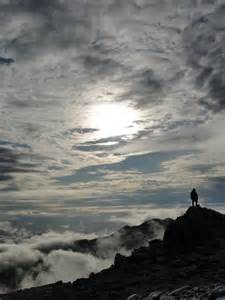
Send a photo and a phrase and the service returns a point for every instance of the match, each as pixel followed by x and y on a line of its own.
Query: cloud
pixel 202 168
pixel 53 256
pixel 65 265
pixel 12 158
pixel 103 144
pixel 38 28
pixel 204 40
pixel 142 163
pixel 100 65
pixel 50 241
pixel 22 266
pixel 11 233
pixel 25 265
pixel 6 61
pixel 80 130
pixel 144 88
pixel 16 162
pixel 10 164
pixel 136 214
pixel 116 52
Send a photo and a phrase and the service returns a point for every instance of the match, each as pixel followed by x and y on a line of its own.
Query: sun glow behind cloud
pixel 114 119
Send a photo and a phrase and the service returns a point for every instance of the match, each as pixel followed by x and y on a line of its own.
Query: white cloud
pixel 66 266
pixel 52 256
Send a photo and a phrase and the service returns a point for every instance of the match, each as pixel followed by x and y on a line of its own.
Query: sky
pixel 111 111
pixel 111 106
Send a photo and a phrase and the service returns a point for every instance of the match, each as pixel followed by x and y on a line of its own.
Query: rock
pixel 154 295
pixel 134 297
pixel 166 297
pixel 218 292
pixel 179 290
pixel 196 227
pixel 119 259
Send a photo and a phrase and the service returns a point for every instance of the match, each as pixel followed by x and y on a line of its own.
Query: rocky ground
pixel 189 263
pixel 215 291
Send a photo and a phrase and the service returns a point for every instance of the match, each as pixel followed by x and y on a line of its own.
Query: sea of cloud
pixel 28 260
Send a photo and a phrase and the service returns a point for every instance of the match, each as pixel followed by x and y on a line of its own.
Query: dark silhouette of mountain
pixel 198 225
pixel 189 262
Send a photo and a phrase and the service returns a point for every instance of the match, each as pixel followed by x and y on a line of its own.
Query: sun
pixel 113 119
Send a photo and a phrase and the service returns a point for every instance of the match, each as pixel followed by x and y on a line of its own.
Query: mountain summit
pixel 198 225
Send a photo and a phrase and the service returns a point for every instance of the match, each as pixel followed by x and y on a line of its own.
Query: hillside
pixel 190 258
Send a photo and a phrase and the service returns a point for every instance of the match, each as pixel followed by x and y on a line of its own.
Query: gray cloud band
pixel 205 44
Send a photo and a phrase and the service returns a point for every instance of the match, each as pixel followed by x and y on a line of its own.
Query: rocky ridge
pixel 188 263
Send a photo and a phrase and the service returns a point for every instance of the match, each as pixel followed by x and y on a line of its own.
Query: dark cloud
pixel 218 180
pixel 38 6
pixel 105 44
pixel 6 61
pixel 202 168
pixel 21 102
pixel 12 162
pixel 150 80
pixel 80 130
pixel 95 148
pixel 100 65
pixel 14 145
pixel 203 76
pixel 31 6
pixel 213 190
pixel 8 163
pixel 47 31
pixel 144 88
pixel 104 144
pixel 205 44
pixel 5 177
pixel 216 93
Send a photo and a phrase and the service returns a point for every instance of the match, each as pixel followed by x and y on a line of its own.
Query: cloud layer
pixel 32 260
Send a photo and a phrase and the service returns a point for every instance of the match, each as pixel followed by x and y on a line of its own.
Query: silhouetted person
pixel 194 197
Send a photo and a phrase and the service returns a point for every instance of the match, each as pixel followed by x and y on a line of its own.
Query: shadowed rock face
pixel 198 225
pixel 192 254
